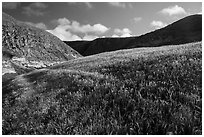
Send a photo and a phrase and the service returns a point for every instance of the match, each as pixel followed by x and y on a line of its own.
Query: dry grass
pixel 138 91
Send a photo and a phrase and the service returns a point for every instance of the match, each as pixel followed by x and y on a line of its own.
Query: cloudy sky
pixel 87 21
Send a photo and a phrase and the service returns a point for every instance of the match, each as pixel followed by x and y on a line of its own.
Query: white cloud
pixel 126 35
pixel 38 25
pixel 76 27
pixel 64 35
pixel 122 36
pixel 158 24
pixel 98 28
pixel 115 36
pixel 174 10
pixel 125 32
pixel 35 8
pixel 137 19
pixel 63 21
pixel 68 30
pixel 90 37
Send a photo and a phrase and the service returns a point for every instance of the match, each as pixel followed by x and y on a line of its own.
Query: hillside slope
pixel 188 29
pixel 100 45
pixel 28 44
pixel 135 91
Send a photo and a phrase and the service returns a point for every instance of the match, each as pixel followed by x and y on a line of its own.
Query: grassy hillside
pixel 30 44
pixel 24 40
pixel 134 91
pixel 188 29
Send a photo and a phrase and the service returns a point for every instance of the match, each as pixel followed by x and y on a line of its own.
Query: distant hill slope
pixel 135 91
pixel 24 41
pixel 188 29
pixel 100 45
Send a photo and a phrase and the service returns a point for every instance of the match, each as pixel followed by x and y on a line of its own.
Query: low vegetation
pixel 136 91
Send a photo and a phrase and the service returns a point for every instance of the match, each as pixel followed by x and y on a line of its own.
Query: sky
pixel 71 21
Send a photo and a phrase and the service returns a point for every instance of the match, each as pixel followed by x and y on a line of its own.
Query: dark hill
pixel 79 46
pixel 27 43
pixel 100 45
pixel 188 29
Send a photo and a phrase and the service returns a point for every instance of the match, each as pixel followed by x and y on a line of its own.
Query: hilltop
pixel 188 29
pixel 141 91
pixel 31 46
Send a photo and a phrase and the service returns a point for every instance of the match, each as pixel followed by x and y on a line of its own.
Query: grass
pixel 139 91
